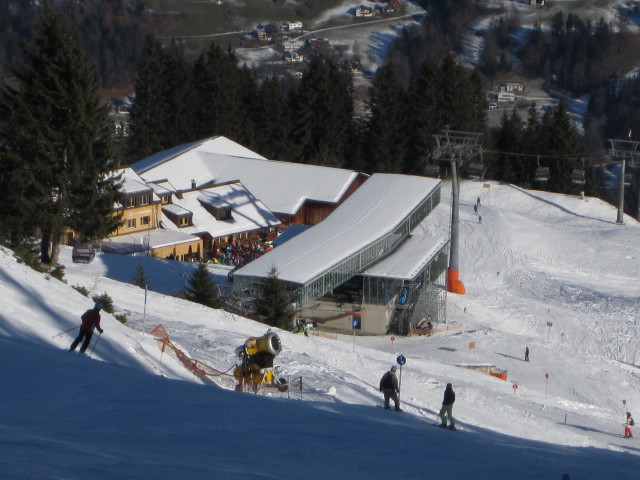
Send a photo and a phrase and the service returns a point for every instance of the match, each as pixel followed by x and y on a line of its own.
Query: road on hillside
pixel 415 15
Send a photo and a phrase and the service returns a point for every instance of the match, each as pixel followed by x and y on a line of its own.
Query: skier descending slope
pixel 90 321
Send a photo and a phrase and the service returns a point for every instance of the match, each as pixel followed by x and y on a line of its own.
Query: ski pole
pixel 57 335
pixel 94 345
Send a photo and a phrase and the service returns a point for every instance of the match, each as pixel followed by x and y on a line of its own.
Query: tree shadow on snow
pixel 553 204
pixel 590 429
pixel 509 356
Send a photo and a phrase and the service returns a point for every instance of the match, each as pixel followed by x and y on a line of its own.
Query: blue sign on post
pixel 401 359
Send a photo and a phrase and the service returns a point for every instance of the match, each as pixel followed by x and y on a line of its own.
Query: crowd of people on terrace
pixel 236 254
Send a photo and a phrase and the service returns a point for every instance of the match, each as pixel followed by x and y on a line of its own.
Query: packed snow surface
pixel 550 272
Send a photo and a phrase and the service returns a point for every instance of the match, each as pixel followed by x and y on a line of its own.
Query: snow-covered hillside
pixel 537 259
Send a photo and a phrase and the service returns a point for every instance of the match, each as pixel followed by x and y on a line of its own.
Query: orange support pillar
pixel 454 284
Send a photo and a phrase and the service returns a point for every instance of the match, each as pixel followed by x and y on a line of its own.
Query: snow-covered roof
pixel 372 211
pixel 248 213
pixel 131 182
pixel 409 260
pixel 282 186
pixel 138 241
pixel 217 144
pixel 289 233
pixel 176 210
pixel 161 188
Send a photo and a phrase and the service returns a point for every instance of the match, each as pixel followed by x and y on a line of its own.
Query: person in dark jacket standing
pixel 526 354
pixel 389 387
pixel 447 407
pixel 90 321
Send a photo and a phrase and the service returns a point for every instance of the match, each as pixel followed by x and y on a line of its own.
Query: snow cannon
pixel 256 362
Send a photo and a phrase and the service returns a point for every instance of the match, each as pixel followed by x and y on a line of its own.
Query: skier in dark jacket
pixel 389 387
pixel 90 321
pixel 447 407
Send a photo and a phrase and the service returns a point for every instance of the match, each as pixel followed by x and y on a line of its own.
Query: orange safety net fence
pixel 205 372
pixel 199 369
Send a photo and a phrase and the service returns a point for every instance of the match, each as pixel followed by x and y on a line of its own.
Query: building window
pixel 145 199
pixel 184 221
pixel 131 223
pixel 145 221
pixel 165 199
pixel 131 202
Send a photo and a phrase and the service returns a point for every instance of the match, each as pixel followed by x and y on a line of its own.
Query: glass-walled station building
pixel 366 265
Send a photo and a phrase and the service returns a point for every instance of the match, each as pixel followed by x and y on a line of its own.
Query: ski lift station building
pixel 367 266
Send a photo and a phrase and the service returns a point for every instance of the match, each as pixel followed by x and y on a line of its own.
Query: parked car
pixel 83 253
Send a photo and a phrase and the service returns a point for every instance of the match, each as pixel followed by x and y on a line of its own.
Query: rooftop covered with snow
pixel 247 212
pixel 282 186
pixel 373 211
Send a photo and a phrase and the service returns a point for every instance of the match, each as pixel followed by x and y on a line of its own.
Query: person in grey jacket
pixel 389 387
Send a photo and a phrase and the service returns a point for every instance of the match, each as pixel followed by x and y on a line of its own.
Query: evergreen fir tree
pixel 475 119
pixel 322 111
pixel 18 208
pixel 422 114
pixel 385 139
pixel 57 132
pixel 452 101
pixel 140 279
pixel 202 288
pixel 273 307
pixel 506 167
pixel 162 115
pixel 569 149
pixel 225 96
pixel 272 110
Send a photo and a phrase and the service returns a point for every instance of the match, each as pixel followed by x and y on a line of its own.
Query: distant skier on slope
pixel 389 387
pixel 447 408
pixel 90 321
pixel 627 426
pixel 526 354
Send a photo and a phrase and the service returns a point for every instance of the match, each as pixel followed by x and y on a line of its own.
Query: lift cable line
pixel 457 147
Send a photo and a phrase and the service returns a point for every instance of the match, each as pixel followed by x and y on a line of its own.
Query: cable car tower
pixel 624 150
pixel 456 147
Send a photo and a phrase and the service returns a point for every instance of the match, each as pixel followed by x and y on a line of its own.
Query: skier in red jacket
pixel 90 321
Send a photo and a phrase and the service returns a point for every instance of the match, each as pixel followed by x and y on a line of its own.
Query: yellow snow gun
pixel 256 362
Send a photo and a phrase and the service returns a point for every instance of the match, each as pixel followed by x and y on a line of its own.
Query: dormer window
pixel 131 202
pixel 220 209
pixel 181 217
pixel 146 198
